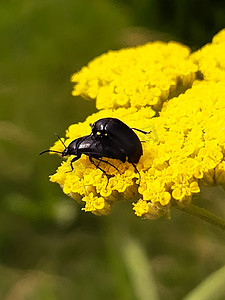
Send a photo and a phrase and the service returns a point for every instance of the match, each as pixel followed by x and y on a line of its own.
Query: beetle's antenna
pixel 54 150
pixel 60 139
pixel 49 151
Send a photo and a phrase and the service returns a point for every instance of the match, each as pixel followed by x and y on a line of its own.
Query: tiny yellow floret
pixel 142 76
pixel 211 59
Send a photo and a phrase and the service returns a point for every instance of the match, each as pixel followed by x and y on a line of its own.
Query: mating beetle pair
pixel 110 138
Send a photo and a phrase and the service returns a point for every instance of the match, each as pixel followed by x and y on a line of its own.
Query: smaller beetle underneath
pixel 109 138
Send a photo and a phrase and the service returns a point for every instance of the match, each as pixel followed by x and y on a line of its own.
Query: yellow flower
pixel 184 153
pixel 141 76
pixel 97 205
pixel 211 59
pixel 149 210
pixel 220 173
pixel 186 145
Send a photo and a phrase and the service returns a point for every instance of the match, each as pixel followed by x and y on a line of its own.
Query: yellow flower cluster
pixel 187 141
pixel 142 76
pixel 211 59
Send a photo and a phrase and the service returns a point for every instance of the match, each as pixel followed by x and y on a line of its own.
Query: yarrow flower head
pixel 142 76
pixel 186 145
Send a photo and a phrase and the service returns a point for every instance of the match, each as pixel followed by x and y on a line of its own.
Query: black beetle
pixel 91 147
pixel 120 136
pixel 110 138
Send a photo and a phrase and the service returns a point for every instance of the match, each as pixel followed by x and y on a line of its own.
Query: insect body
pixel 93 148
pixel 110 138
pixel 120 136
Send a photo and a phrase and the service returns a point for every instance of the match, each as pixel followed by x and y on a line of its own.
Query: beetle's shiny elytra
pixel 110 138
pixel 120 136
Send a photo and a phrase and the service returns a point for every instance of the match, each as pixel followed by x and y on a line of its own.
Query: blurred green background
pixel 49 248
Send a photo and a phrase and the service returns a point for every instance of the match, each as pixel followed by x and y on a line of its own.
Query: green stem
pixel 203 214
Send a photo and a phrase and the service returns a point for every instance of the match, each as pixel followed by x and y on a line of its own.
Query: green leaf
pixel 139 270
pixel 213 287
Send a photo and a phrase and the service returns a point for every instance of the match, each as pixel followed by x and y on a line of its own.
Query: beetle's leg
pixel 103 171
pixel 72 161
pixel 136 170
pixel 105 161
pixel 146 132
pixel 142 131
pixel 153 131
pixel 97 166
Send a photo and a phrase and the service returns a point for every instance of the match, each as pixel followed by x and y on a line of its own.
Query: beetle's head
pixel 98 128
pixel 72 148
pixel 94 130
pixel 65 152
